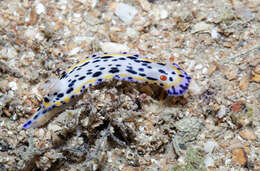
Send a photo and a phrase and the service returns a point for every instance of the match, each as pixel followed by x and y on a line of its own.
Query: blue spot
pixel 96 61
pixel 69 90
pixel 60 95
pixel 81 78
pixel 170 92
pixel 140 69
pixel 131 71
pixel 96 74
pixel 141 74
pixel 27 124
pixel 36 116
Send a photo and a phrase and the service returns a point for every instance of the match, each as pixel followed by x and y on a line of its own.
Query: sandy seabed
pixel 129 126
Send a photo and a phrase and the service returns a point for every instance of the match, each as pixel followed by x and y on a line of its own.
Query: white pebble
pixel 209 162
pixel 191 63
pixel 214 33
pixel 93 3
pixel 35 91
pixel 198 67
pixel 113 47
pixel 205 70
pixel 3 22
pixel 145 5
pixel 82 1
pixel 74 51
pixel 164 14
pixel 33 33
pixel 54 128
pixel 40 132
pixel 202 27
pixel 80 38
pixel 210 146
pixel 159 13
pixel 77 15
pixel 245 13
pixel 132 33
pixel 8 52
pixel 222 111
pixel 228 162
pixel 40 8
pixel 12 85
pixel 195 88
pixel 125 12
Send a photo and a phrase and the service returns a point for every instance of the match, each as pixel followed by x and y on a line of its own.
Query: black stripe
pixel 106 57
pixel 151 78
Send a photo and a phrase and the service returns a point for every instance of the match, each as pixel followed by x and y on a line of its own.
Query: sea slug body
pixel 98 68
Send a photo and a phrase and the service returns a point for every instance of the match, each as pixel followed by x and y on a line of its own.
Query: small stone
pixel 3 83
pixel 210 146
pixel 239 155
pixel 257 69
pixel 198 67
pixel 40 133
pixel 132 33
pixel 222 111
pixel 202 27
pixel 164 14
pixel 247 134
pixel 33 33
pixel 13 85
pixel 188 128
pixel 82 1
pixel 125 12
pixel 212 69
pixel 54 127
pixel 229 71
pixel 113 47
pixel 237 106
pixel 209 162
pixel 244 13
pixel 8 52
pixel 159 13
pixel 195 88
pixel 243 85
pixel 33 17
pixel 145 5
pixel 214 33
pixel 256 78
pixel 7 113
pixel 216 107
pixel 204 70
pixel 85 122
pixel 40 8
pixel 227 15
pixel 243 119
pixel 74 51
